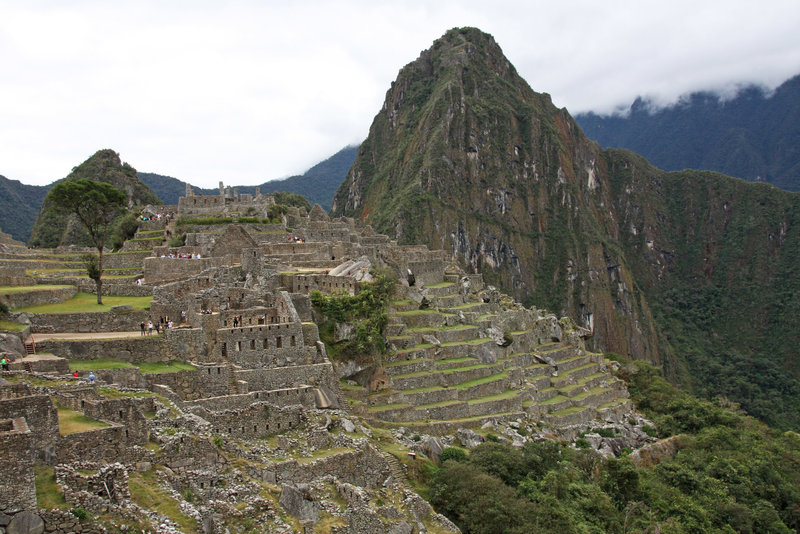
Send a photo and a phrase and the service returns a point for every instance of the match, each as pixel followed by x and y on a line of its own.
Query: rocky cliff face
pixel 685 269
pixel 465 156
pixel 53 229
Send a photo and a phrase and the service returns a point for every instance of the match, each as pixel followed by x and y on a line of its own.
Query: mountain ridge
pixel 753 135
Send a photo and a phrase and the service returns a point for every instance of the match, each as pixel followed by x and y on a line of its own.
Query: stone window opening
pixel 279 342
pixel 293 342
pixel 252 344
pixel 224 350
pixel 219 370
pixel 120 414
pixel 266 343
pixel 239 346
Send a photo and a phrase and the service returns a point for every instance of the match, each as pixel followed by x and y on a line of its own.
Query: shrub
pixel 453 453
pixel 217 441
pixel 80 513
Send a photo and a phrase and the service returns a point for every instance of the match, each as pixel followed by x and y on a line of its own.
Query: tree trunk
pixel 99 281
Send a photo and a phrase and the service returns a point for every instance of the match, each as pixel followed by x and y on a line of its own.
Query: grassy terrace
pixel 87 303
pixel 420 346
pixel 568 411
pixel 144 367
pixel 11 290
pixel 510 394
pixel 554 400
pixel 451 328
pixel 384 407
pixel 440 284
pixel 417 312
pixel 476 341
pixel 12 326
pixel 71 422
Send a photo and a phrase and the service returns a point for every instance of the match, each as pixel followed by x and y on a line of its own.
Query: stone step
pixel 472 308
pixel 553 404
pixel 420 351
pixel 456 349
pixel 408 366
pixel 557 353
pixel 572 363
pixel 403 305
pixel 394 329
pixel 446 334
pixel 420 318
pixel 402 342
pixel 537 369
pixel 454 363
pixel 571 416
pixel 442 289
pixel 448 301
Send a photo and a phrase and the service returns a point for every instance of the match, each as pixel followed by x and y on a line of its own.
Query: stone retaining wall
pixel 99 445
pixel 159 270
pixel 43 323
pixel 256 421
pixel 366 468
pixel 17 483
pixel 35 297
pixel 134 350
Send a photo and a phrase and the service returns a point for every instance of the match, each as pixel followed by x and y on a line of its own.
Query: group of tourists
pixel 163 323
pixel 186 256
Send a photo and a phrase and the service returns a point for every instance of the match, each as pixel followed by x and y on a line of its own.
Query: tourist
pixel 150 327
pixel 91 377
pixel 4 363
pixel 141 325
pixel 75 374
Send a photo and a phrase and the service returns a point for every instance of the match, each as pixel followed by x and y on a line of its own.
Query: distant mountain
pixel 53 228
pixel 754 136
pixel 19 206
pixel 317 184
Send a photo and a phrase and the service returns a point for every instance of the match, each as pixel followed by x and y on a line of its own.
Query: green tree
pixel 94 204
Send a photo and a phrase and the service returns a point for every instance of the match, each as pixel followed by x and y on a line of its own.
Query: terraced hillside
pixel 461 356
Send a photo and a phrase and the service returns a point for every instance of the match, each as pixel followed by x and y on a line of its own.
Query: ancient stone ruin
pixel 233 409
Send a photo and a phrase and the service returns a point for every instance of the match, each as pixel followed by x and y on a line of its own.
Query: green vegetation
pixel 48 493
pixel 99 363
pixel 70 421
pixel 147 493
pixel 731 474
pixel 366 310
pixel 12 326
pixel 85 303
pixel 94 205
pixel 8 290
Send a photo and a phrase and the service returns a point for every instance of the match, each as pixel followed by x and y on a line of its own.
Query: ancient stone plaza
pixel 235 418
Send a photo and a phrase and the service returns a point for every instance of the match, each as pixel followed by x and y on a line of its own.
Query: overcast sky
pixel 250 91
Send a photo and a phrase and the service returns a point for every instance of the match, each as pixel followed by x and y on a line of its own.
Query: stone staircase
pixel 446 371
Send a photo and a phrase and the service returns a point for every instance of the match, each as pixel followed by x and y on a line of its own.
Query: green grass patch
pixel 554 400
pixel 87 303
pixel 568 411
pixel 48 493
pixel 71 422
pixel 147 493
pixel 440 284
pixel 510 394
pixel 12 326
pixel 417 312
pixel 439 404
pixel 164 367
pixel 100 363
pixel 479 381
pixel 476 341
pixel 114 393
pixel 384 407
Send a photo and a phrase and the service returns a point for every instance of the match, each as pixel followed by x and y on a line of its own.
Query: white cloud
pixel 257 90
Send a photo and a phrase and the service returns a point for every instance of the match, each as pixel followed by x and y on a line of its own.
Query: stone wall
pixel 183 452
pixel 207 381
pixel 256 421
pixel 85 322
pixel 366 468
pixel 41 417
pixel 35 297
pixel 321 374
pixel 306 283
pixel 95 491
pixel 134 350
pixel 123 411
pixel 17 483
pixel 118 260
pixel 106 444
pixel 160 270
pixel 264 346
pixel 303 395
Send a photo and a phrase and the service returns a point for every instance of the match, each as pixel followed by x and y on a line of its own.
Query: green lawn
pixel 164 367
pixel 70 421
pixel 11 325
pixel 87 303
pixel 144 367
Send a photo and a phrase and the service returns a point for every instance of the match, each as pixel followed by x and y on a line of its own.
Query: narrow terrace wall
pixel 208 381
pixel 255 421
pixel 134 350
pixel 107 444
pixel 35 297
pixel 160 270
pixel 86 322
pixel 17 483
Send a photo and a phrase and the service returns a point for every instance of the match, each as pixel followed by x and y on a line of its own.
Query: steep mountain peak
pixel 53 229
